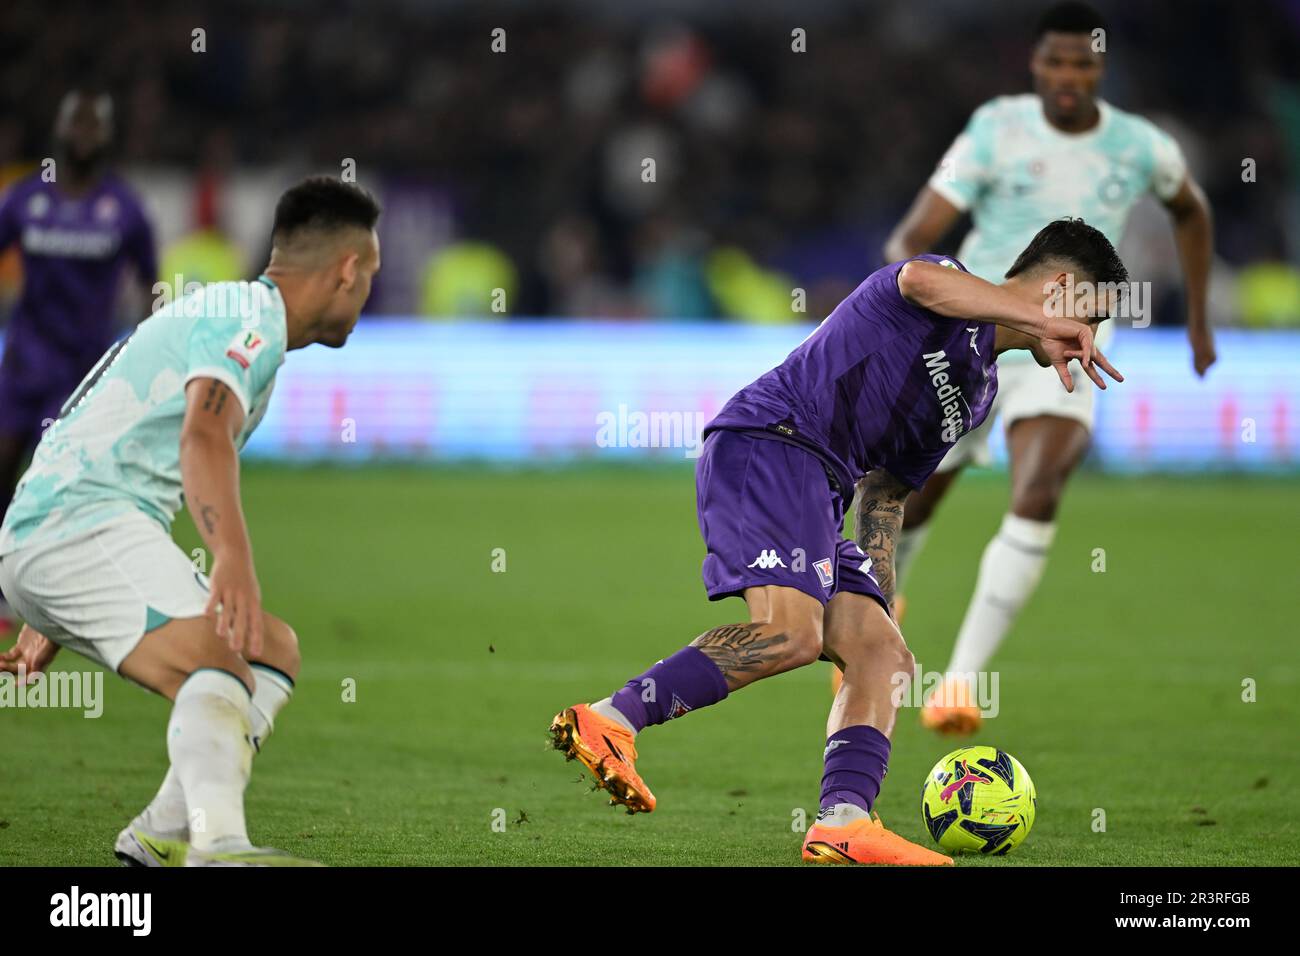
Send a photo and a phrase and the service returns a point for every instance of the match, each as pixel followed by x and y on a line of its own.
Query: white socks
pixel 1010 570
pixel 166 814
pixel 209 746
pixel 910 542
pixel 271 691
pixel 841 815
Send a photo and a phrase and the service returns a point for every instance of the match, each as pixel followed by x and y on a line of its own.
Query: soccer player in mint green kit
pixel 1024 160
pixel 86 555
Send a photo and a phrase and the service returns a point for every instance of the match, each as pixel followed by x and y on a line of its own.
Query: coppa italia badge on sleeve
pixel 243 348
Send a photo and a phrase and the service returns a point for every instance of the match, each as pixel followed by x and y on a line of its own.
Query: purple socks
pixel 856 757
pixel 856 761
pixel 676 685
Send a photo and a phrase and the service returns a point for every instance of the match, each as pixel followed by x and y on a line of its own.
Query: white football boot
pixel 140 845
pixel 245 855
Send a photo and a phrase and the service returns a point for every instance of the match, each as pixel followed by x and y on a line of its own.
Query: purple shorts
pixel 769 515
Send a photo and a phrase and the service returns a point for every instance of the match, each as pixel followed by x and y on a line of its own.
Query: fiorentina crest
pixel 825 571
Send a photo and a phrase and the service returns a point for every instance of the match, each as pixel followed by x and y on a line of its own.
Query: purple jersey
pixel 881 383
pixel 73 250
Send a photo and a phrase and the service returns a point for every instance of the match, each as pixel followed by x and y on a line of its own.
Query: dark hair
pixel 1070 16
pixel 325 203
pixel 1075 242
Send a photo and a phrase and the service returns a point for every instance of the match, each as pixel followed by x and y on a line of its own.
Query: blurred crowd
pixel 773 168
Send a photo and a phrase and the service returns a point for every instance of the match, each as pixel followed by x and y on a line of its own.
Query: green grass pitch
pixel 1121 692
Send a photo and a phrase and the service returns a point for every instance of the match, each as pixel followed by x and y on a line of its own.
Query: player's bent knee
pixel 905 661
pixel 878 646
pixel 167 656
pixel 215 654
pixel 798 639
pixel 860 634
pixel 795 620
pixel 279 646
pixel 1038 498
pixel 805 645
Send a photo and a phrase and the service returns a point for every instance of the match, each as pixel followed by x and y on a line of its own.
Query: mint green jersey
pixel 1015 173
pixel 115 447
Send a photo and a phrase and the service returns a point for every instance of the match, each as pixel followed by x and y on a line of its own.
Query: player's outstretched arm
pixel 1194 236
pixel 959 295
pixel 210 475
pixel 967 298
pixel 877 522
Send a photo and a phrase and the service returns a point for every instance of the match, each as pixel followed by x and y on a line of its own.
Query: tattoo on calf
pixel 740 649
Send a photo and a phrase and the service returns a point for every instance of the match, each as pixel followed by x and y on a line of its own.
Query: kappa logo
pixel 974 331
pixel 825 571
pixel 831 745
pixel 767 560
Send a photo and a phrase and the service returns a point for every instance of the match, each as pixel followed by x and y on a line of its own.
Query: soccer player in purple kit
pixel 878 392
pixel 76 232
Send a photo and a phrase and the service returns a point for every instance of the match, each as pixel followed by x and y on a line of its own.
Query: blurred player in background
pixel 77 225
pixel 1023 160
pixel 86 553
pixel 878 393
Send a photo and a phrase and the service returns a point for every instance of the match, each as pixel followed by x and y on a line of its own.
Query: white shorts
pixel 100 592
pixel 1025 390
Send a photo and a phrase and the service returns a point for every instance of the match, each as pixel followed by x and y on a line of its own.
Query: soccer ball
pixel 978 799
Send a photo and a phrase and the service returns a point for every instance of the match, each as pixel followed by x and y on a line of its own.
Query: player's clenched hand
pixel 32 654
pixel 235 603
pixel 1063 340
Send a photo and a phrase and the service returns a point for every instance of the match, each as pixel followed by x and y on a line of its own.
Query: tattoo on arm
pixel 215 400
pixel 209 516
pixel 741 650
pixel 878 519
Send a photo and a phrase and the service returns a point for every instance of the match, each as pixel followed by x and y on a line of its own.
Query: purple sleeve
pixel 938 260
pixel 915 470
pixel 880 297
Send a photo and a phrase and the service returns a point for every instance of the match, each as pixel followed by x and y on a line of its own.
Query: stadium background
pixel 467 430
pixel 520 171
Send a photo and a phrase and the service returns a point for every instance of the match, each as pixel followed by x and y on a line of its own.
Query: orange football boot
pixel 866 841
pixel 951 711
pixel 608 750
pixel 837 675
